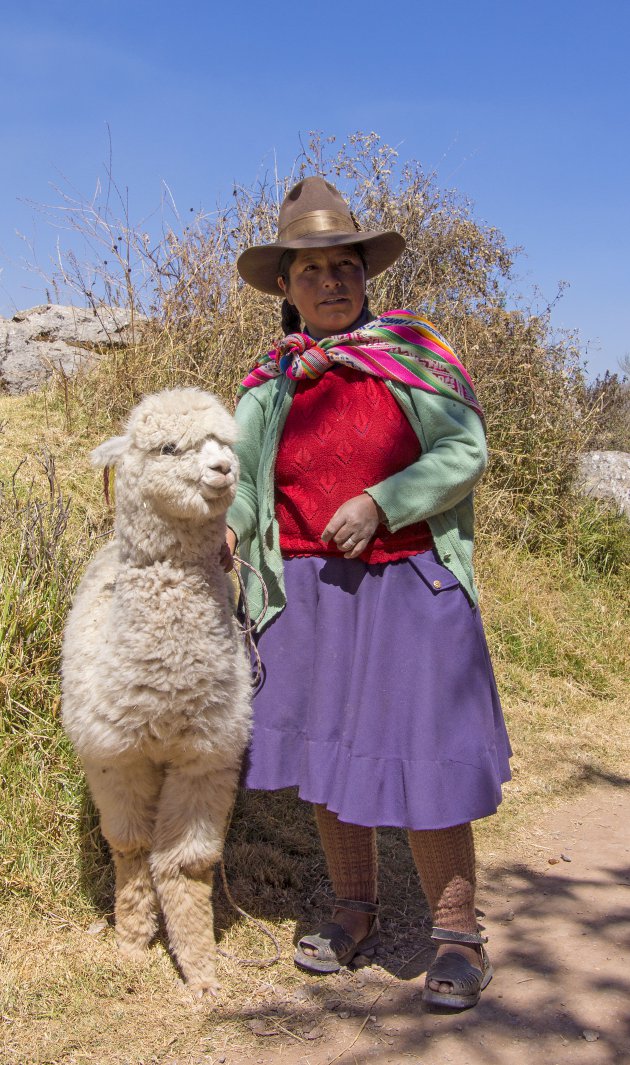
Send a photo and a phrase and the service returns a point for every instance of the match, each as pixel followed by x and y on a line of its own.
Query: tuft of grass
pixel 546 619
pixel 45 543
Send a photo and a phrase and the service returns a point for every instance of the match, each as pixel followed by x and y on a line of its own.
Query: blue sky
pixel 523 107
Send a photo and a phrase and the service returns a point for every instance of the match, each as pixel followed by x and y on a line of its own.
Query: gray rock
pixel 590 1035
pixel 38 342
pixel 606 475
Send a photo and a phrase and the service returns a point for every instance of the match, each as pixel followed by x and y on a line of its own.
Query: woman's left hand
pixel 353 525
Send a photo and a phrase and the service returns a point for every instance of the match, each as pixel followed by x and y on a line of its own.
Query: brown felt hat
pixel 314 215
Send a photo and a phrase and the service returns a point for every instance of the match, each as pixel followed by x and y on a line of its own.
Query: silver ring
pixel 351 541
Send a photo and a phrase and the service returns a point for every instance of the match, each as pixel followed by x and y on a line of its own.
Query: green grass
pixel 547 619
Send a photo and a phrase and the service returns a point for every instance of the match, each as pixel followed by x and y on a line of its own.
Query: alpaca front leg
pixel 136 905
pixel 189 834
pixel 126 797
pixel 186 901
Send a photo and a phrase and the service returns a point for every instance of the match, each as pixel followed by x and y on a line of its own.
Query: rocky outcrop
pixel 606 475
pixel 37 342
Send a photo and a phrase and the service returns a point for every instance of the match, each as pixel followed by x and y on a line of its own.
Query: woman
pixel 358 459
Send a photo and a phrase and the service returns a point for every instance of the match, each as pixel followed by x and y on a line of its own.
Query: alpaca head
pixel 176 456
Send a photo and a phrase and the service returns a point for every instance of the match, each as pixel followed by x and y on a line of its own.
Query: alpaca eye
pixel 168 449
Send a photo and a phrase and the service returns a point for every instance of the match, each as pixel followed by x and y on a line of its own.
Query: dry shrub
pixel 607 398
pixel 205 326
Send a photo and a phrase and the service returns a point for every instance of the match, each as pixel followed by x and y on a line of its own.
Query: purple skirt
pixel 378 697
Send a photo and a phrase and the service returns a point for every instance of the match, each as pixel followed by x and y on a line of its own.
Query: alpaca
pixel 155 682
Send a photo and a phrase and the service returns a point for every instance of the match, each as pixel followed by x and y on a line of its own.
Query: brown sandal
pixel 467 981
pixel 335 947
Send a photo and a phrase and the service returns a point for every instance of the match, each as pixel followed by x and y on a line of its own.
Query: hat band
pixel 317 222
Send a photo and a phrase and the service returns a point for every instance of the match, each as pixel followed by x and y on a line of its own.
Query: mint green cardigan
pixel 437 488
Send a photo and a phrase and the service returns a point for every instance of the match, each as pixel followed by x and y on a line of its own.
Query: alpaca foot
pixel 203 985
pixel 132 949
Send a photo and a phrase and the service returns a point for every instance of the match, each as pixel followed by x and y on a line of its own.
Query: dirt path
pixel 559 936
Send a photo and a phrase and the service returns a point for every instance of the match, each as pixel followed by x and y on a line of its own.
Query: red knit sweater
pixel 344 432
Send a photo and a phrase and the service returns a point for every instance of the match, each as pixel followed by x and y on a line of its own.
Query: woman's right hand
pixel 228 550
pixel 353 525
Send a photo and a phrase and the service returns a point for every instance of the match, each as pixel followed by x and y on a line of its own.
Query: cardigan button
pixel 437 584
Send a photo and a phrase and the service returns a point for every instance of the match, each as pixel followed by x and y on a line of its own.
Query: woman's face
pixel 327 285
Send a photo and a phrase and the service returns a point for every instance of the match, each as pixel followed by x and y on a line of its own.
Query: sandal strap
pixel 444 935
pixel 355 904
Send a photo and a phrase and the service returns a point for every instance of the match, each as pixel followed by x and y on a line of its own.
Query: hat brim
pixel 259 266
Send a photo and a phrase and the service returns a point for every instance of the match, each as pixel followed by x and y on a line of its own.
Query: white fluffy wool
pixel 156 686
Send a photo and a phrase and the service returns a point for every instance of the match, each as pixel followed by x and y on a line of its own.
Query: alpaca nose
pixel 220 465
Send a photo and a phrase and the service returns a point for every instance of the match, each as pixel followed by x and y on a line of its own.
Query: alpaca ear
pixel 109 452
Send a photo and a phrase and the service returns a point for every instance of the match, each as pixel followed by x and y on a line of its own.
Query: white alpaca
pixel 156 687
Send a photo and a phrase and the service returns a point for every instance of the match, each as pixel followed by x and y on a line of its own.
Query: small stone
pixel 259 1027
pixel 566 857
pixel 315 1033
pixel 509 915
pixel 344 1014
pixel 590 1035
pixel 96 928
pixel 553 861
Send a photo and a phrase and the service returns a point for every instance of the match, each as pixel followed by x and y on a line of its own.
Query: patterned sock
pixel 350 856
pixel 445 860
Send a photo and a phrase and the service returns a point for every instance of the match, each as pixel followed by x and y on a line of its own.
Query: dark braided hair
pixel 291 320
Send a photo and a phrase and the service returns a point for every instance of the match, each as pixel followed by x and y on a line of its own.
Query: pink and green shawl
pixel 399 346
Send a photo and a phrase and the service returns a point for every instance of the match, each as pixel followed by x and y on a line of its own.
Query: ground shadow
pixel 276 869
pixel 97 869
pixel 588 774
pixel 542 1014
